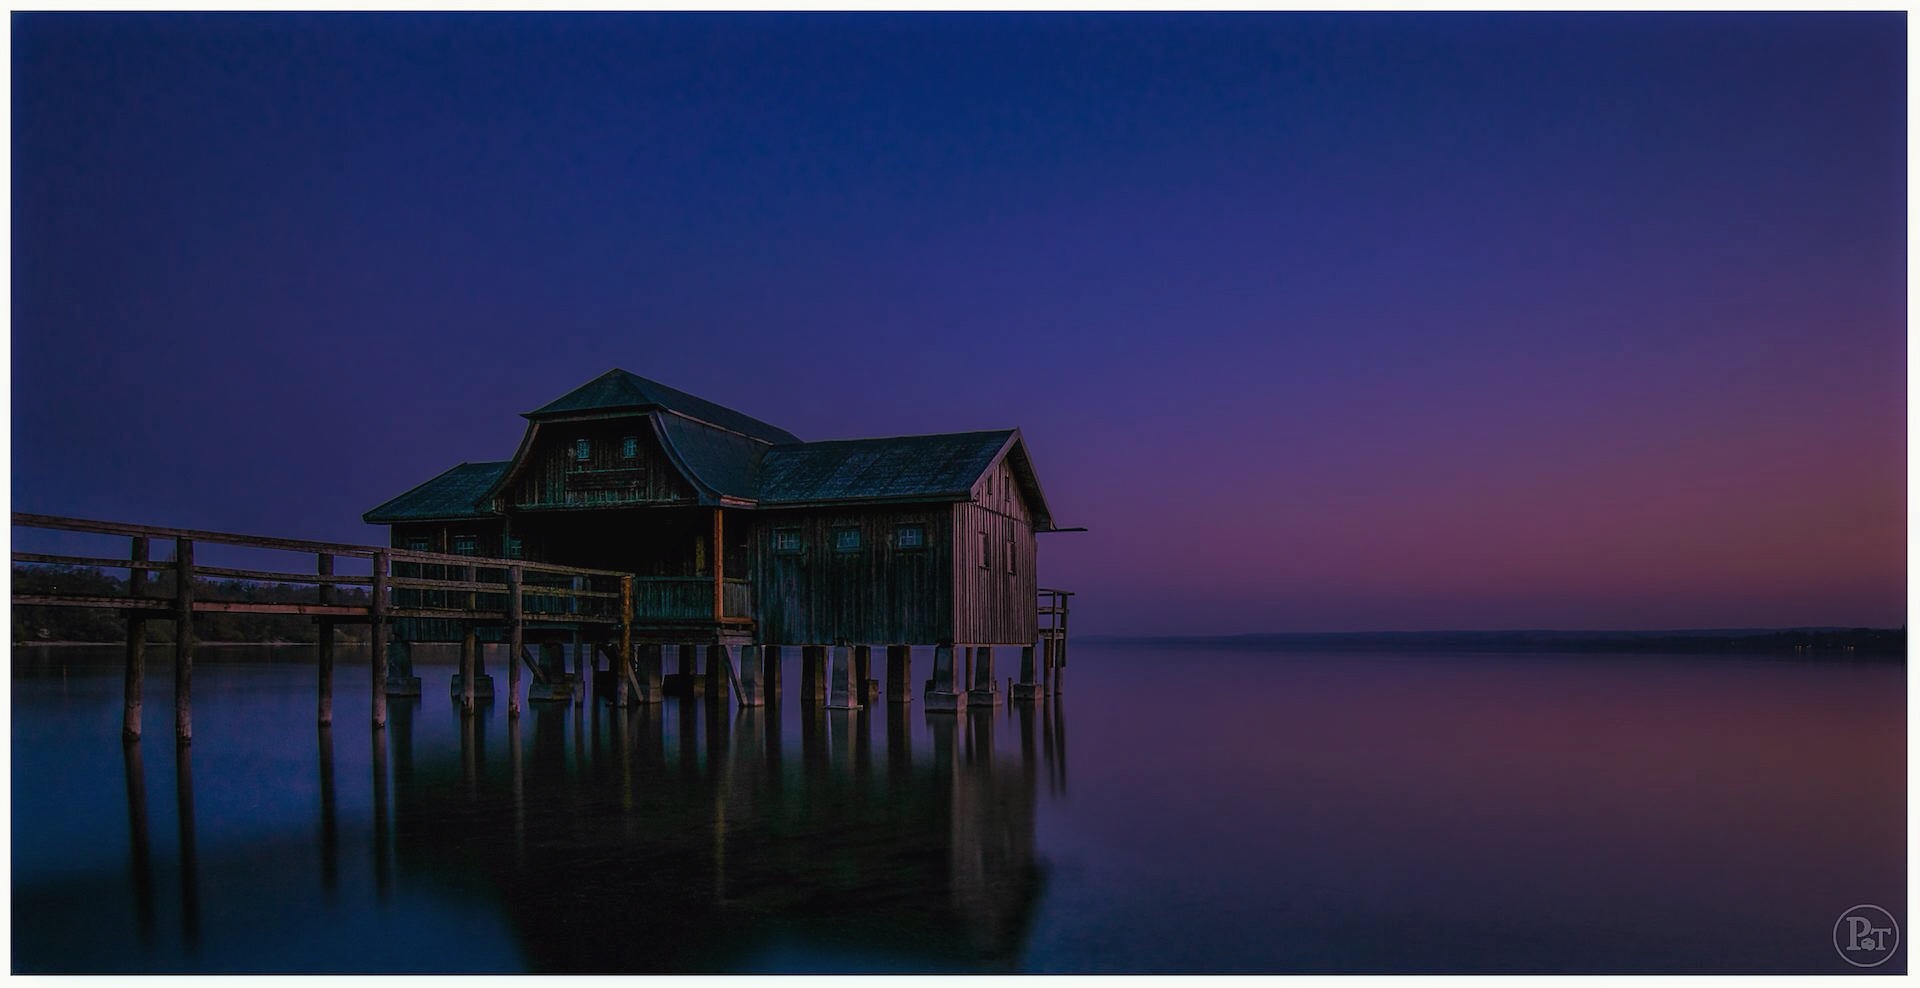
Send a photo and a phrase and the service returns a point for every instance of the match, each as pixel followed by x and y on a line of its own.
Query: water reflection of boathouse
pixel 692 837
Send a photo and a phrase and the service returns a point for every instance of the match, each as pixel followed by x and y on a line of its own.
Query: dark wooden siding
pixel 878 594
pixel 555 478
pixel 990 605
pixel 438 536
pixel 441 536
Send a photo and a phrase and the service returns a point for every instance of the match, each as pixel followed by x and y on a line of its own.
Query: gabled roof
pixel 618 390
pixel 876 469
pixel 454 494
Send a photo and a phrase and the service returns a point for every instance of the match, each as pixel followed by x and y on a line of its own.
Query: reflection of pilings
pixel 813 740
pixel 1057 748
pixel 775 764
pixel 719 727
pixel 549 744
pixel 1029 769
pixel 842 729
pixel 329 818
pixel 382 869
pixel 594 728
pixel 579 745
pixel 622 742
pixel 979 746
pixel 649 726
pixel 689 733
pixel 899 743
pixel 141 857
pixel 863 743
pixel 946 732
pixel 189 858
pixel 469 757
pixel 517 780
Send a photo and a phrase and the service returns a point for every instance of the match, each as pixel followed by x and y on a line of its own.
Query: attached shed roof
pixel 618 390
pixel 869 469
pixel 722 462
pixel 454 494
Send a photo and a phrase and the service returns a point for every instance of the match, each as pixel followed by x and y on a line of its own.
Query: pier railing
pixel 397 584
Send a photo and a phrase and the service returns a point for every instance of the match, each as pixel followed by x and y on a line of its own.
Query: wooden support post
pixel 323 638
pixel 648 675
pixel 516 639
pixel 719 674
pixel 863 672
pixel 770 665
pixel 469 671
pixel 753 690
pixel 377 612
pixel 579 666
pixel 813 674
pixel 625 682
pixel 183 641
pixel 719 566
pixel 899 674
pixel 718 681
pixel 136 646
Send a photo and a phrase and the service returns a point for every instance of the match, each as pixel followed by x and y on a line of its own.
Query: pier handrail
pixel 402 584
pixel 23 519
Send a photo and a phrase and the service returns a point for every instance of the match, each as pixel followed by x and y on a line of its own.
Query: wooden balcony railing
pixel 659 599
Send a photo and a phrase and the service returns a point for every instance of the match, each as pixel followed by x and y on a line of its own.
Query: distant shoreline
pixel 1857 641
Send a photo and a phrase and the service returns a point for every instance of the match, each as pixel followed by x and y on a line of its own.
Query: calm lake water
pixel 1193 810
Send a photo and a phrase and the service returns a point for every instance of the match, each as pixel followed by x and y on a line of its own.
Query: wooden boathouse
pixel 742 539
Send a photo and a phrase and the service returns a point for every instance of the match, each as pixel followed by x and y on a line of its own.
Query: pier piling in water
pixel 136 644
pixel 323 638
pixel 183 641
pixel 899 674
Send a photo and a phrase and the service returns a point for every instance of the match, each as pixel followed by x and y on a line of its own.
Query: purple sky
pixel 1335 322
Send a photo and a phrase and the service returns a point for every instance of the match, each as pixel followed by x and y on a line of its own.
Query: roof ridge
pixel 909 435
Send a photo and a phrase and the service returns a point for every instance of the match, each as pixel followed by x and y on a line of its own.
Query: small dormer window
pixel 582 449
pixel 629 448
pixel 786 541
pixel 846 540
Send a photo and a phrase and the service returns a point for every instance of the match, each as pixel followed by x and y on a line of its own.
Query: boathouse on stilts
pixel 743 540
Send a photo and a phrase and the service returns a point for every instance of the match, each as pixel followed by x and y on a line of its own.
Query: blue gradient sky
pixel 1319 322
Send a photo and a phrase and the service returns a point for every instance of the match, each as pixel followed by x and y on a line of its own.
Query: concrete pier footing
pixel 843 689
pixel 985 691
pixel 946 690
pixel 482 686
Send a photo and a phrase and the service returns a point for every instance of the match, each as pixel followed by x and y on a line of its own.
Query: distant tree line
pixel 91 624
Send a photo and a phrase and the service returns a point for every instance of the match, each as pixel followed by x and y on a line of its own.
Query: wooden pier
pixel 406 596
pixel 399 585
